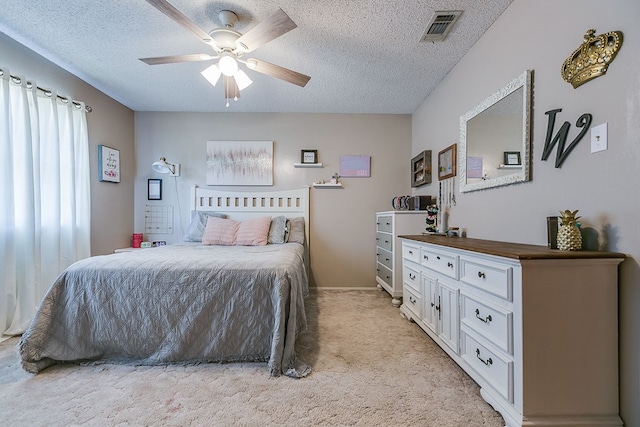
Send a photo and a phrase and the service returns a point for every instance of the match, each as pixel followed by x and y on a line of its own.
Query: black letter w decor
pixel 584 121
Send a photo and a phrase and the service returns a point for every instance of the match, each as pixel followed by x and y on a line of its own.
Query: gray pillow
pixel 296 230
pixel 197 225
pixel 277 230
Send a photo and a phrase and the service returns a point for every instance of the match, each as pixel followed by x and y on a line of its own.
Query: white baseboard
pixel 327 288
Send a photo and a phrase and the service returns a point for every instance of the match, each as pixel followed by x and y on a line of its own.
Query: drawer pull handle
pixel 481 275
pixel 412 276
pixel 387 259
pixel 425 257
pixel 433 304
pixel 485 320
pixel 412 300
pixel 450 264
pixel 438 257
pixel 486 362
pixel 410 252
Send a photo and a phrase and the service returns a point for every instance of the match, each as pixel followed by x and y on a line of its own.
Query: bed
pixel 184 303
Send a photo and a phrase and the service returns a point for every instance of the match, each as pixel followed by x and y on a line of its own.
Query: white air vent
pixel 440 25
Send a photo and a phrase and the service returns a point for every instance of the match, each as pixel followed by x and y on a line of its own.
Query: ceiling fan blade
pixel 177 58
pixel 231 90
pixel 173 13
pixel 274 26
pixel 278 72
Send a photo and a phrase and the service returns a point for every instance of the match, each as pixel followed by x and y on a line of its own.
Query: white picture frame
pixel 108 164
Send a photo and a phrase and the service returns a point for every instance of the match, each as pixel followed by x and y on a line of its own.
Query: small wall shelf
pixel 308 165
pixel 327 185
pixel 510 167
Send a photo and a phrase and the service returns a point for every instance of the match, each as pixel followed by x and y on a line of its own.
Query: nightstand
pixel 117 251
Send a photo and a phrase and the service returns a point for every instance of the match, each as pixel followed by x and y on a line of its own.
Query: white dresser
pixel 536 328
pixel 388 254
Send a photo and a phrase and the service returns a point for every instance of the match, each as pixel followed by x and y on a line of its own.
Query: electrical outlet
pixel 599 138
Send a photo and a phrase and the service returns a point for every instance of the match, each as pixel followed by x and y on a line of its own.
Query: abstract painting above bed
pixel 185 303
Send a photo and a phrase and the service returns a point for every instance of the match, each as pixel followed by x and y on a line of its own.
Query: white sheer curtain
pixel 45 209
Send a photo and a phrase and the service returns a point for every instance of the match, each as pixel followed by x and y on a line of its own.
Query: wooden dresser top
pixel 509 250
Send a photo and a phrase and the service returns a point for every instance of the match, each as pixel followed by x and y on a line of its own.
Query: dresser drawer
pixel 411 277
pixel 384 223
pixel 493 323
pixel 442 262
pixel 384 241
pixel 385 274
pixel 412 300
pixel 411 252
pixel 385 257
pixel 496 369
pixel 492 277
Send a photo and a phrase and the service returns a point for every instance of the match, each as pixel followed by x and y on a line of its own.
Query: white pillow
pixel 296 230
pixel 197 225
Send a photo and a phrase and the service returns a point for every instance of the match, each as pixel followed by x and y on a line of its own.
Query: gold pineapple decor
pixel 569 237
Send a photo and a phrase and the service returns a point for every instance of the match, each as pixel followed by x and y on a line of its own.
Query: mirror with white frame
pixel 494 147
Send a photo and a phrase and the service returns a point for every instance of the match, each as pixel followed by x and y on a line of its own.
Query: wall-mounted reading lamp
pixel 162 166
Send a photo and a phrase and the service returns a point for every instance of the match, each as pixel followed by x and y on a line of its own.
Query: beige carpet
pixel 371 367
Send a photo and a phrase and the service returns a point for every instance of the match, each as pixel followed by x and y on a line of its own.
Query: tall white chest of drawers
pixel 389 225
pixel 536 328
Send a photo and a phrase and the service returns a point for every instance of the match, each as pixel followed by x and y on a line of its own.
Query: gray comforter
pixel 184 303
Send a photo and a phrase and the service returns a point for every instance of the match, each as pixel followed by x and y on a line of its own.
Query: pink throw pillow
pixel 220 232
pixel 253 232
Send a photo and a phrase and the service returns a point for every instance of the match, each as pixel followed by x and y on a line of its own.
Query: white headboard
pixel 241 205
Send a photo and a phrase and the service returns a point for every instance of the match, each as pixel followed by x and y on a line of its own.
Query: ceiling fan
pixel 229 46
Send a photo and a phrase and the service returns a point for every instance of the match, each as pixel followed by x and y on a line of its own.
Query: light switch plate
pixel 599 138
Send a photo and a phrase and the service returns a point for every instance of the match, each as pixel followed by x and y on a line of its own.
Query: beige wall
pixel 343 221
pixel 539 35
pixel 110 124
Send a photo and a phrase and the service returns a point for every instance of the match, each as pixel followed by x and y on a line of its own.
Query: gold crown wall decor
pixel 592 58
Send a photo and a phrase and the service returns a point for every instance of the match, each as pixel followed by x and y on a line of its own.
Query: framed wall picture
pixel 154 189
pixel 239 162
pixel 447 162
pixel 421 169
pixel 309 156
pixel 512 158
pixel 108 164
pixel 355 166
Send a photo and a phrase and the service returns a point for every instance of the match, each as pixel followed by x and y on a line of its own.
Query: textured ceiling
pixel 363 56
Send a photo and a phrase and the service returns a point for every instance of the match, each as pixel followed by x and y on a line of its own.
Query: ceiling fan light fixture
pixel 229 46
pixel 212 74
pixel 242 80
pixel 228 64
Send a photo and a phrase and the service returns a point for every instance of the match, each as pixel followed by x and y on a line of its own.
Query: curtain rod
pixel 47 92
